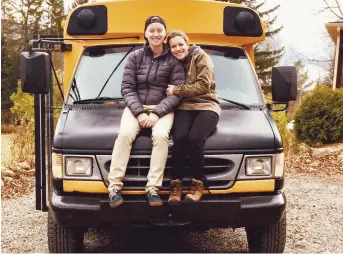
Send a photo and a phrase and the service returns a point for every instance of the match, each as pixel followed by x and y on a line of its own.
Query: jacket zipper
pixel 147 78
pixel 156 72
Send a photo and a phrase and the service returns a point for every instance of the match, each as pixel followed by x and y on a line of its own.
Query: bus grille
pixel 216 170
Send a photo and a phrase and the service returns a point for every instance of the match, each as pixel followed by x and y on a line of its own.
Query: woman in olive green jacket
pixel 196 118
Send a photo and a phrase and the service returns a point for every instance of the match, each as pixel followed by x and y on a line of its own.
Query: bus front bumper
pixel 220 211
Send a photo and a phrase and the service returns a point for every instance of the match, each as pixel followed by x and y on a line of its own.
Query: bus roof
pixel 205 22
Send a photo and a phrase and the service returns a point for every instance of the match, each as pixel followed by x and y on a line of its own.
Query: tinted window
pixel 235 78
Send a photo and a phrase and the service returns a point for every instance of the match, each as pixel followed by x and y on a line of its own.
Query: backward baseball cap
pixel 154 19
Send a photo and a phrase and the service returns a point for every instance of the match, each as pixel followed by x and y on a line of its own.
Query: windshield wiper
pixel 75 90
pixel 97 99
pixel 236 103
pixel 108 79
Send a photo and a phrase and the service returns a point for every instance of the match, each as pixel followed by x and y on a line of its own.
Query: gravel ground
pixel 314 214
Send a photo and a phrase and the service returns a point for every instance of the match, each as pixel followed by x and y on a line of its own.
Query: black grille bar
pixel 138 168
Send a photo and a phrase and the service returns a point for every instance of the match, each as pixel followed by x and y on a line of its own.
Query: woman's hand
pixel 151 121
pixel 170 90
pixel 142 119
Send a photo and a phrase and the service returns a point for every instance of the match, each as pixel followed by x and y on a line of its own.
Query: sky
pixel 304 35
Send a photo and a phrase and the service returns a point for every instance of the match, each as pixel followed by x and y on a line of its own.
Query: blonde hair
pixel 174 34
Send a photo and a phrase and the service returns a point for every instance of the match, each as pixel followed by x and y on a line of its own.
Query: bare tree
pixel 335 7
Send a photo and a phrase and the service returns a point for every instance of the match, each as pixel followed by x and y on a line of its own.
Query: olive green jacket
pixel 199 91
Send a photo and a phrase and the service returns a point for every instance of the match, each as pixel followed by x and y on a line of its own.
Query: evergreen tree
pixel 21 19
pixel 10 41
pixel 56 16
pixel 304 83
pixel 78 2
pixel 30 14
pixel 266 56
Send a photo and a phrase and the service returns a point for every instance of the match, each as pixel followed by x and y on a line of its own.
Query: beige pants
pixel 129 129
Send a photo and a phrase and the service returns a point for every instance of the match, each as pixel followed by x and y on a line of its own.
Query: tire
pixel 271 239
pixel 63 239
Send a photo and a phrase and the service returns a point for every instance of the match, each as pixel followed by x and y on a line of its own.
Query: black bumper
pixel 212 211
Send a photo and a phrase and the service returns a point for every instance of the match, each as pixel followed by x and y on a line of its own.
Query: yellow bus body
pixel 202 21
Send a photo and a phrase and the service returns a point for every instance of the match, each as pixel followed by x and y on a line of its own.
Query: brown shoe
pixel 196 192
pixel 175 192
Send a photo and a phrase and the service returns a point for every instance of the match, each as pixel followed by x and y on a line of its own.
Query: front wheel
pixel 63 239
pixel 268 239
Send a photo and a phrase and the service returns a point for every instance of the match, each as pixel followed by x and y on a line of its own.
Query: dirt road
pixel 314 214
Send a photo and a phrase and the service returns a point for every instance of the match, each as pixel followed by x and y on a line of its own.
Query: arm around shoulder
pixel 205 73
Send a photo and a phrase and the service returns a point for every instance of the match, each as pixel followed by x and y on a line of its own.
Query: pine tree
pixel 56 16
pixel 21 19
pixel 30 14
pixel 304 83
pixel 266 56
pixel 10 41
pixel 78 2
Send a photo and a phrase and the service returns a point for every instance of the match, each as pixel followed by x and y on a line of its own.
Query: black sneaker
pixel 154 197
pixel 115 198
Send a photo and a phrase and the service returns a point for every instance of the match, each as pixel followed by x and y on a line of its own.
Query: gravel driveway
pixel 314 214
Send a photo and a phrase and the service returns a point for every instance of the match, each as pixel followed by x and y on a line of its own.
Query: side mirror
pixel 35 72
pixel 284 84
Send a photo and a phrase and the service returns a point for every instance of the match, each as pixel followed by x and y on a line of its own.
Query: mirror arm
pixel 56 77
pixel 63 46
pixel 31 47
pixel 269 105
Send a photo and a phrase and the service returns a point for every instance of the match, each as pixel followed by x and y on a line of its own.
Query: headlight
pixel 76 166
pixel 279 164
pixel 258 166
pixel 57 171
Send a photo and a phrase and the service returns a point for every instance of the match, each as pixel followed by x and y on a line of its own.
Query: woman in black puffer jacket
pixel 147 73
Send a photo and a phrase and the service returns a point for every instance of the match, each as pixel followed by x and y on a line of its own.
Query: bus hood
pixel 94 128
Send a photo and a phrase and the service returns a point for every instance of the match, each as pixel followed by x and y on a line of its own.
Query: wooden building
pixel 335 30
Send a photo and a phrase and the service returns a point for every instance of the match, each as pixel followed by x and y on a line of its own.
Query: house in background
pixel 335 30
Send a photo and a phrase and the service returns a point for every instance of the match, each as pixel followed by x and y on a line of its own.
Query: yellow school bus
pixel 244 159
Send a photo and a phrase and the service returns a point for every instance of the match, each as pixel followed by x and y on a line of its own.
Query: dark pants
pixel 191 129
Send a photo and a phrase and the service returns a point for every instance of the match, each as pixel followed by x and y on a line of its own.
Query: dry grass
pixel 6 144
pixel 8 128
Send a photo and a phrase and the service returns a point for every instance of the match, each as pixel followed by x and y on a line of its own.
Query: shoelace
pixel 153 192
pixel 176 190
pixel 114 193
pixel 195 188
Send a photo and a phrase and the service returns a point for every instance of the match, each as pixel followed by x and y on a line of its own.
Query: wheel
pixel 62 238
pixel 268 239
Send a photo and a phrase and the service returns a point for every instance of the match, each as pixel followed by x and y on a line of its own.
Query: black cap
pixel 154 19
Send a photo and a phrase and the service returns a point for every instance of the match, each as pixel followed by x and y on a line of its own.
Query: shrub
pixel 281 120
pixel 288 138
pixel 23 114
pixel 23 138
pixel 319 119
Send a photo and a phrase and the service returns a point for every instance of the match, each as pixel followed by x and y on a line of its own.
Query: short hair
pixel 173 34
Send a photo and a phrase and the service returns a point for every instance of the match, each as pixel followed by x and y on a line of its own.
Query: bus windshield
pixel 100 73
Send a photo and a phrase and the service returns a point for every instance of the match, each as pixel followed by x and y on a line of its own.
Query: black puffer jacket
pixel 146 79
